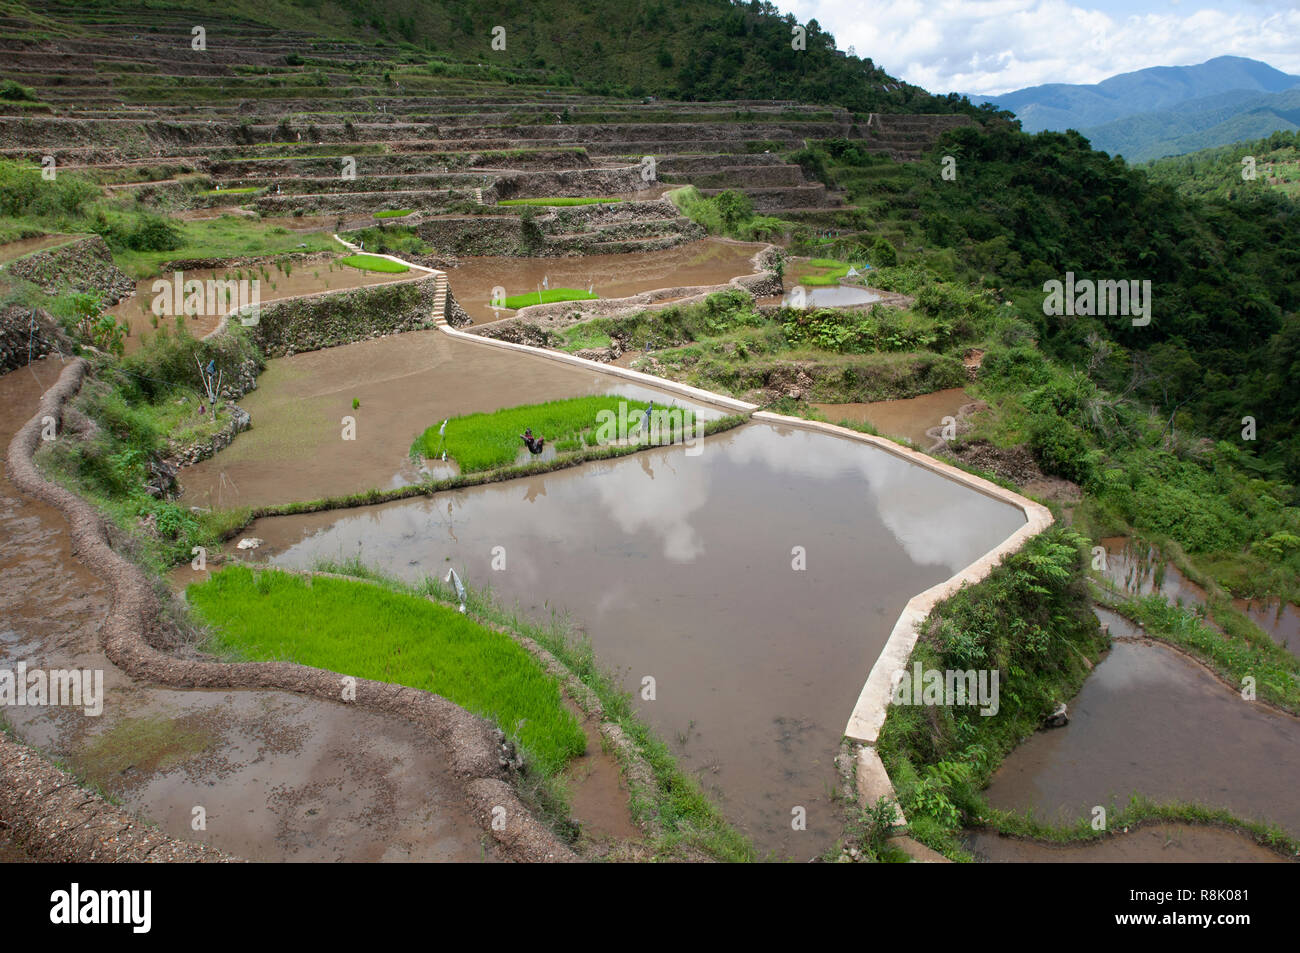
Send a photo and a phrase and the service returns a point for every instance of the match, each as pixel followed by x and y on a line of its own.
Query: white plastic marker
pixel 460 589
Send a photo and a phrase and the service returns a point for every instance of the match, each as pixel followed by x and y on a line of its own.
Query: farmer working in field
pixel 534 444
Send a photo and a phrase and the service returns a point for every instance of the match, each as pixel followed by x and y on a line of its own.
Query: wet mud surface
pixel 404 383
pixel 909 418
pixel 279 776
pixel 680 569
pixel 710 261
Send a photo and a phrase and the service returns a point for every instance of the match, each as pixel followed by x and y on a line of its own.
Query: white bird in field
pixel 460 589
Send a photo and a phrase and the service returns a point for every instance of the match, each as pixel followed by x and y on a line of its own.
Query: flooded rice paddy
pixel 1138 568
pixel 679 569
pixel 275 284
pixel 827 296
pixel 711 261
pixel 1151 721
pixel 25 246
pixel 908 419
pixel 403 383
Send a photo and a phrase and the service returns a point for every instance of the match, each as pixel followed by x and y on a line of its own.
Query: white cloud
pixel 994 46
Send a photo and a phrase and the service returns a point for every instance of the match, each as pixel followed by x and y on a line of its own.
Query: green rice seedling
pixel 370 631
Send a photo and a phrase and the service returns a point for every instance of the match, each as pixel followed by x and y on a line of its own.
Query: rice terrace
pixel 647 432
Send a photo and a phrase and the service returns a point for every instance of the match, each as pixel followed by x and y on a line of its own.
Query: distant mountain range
pixel 1164 110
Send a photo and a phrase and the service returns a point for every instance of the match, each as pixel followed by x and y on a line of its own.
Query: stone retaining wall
pixel 82 265
pixel 28 334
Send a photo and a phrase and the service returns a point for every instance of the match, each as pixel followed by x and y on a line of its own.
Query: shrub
pixel 883 254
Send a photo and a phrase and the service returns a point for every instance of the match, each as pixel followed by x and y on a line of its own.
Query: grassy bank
pixel 488 441
pixel 1138 812
pixel 1030 619
pixel 140 409
pixel 1238 652
pixel 368 631
pixel 729 213
pixel 729 345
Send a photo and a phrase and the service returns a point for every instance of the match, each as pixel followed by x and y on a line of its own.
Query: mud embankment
pixel 137 637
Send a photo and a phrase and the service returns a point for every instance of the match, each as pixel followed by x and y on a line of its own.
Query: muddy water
pixel 25 246
pixel 280 776
pixel 1152 844
pixel 828 296
pixel 1151 721
pixel 680 569
pixel 1280 620
pixel 711 261
pixel 908 419
pixel 404 383
pixel 302 279
pixel 1138 568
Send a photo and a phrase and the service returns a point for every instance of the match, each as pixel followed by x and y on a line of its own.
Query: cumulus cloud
pixel 994 46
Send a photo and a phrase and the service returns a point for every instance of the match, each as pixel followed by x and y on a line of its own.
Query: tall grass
pixel 368 631
pixel 486 441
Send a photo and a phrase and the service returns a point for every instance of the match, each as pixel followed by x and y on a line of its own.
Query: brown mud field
pixel 304 278
pixel 279 775
pixel 1163 843
pixel 1151 721
pixel 680 569
pixel 908 418
pixel 710 261
pixel 25 246
pixel 405 383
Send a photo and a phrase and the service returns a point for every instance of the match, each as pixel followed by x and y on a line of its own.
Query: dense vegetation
pixel 1218 173
pixel 1223 342
pixel 1031 620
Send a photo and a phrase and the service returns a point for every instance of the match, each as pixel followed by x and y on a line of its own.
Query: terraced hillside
pixel 287 124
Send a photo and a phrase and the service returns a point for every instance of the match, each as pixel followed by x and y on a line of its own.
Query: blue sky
pixel 992 46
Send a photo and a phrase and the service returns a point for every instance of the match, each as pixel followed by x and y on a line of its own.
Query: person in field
pixel 534 444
